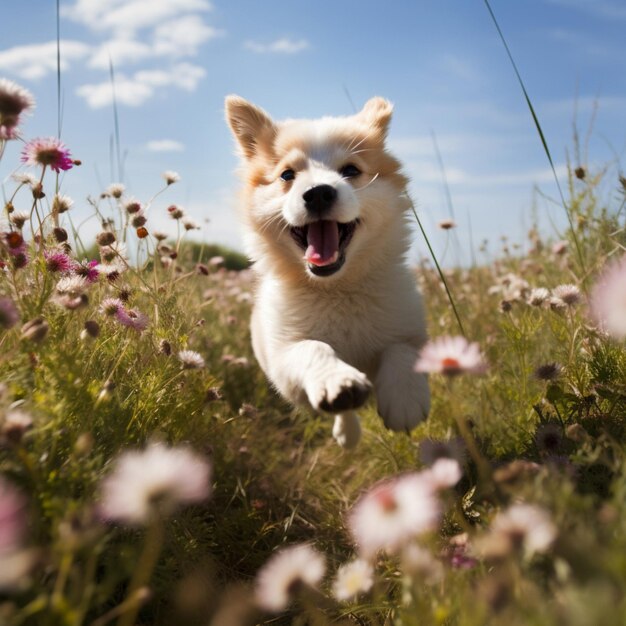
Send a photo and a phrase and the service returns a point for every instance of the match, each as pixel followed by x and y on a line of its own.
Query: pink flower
pixel 111 306
pixel 58 262
pixel 132 319
pixel 394 512
pixel 154 481
pixel 88 270
pixel 608 300
pixel 451 356
pixel 48 151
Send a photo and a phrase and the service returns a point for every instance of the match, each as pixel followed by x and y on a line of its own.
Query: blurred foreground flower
pixel 451 356
pixel 49 152
pixel 154 482
pixel 9 315
pixel 14 101
pixel 281 576
pixel 191 360
pixel 608 300
pixel 352 579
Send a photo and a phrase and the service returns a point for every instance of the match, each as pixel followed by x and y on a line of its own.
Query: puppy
pixel 337 310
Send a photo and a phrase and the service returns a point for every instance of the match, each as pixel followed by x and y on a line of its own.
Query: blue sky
pixel 441 63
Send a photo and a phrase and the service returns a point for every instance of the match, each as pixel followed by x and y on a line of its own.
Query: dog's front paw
pixel 343 389
pixel 402 410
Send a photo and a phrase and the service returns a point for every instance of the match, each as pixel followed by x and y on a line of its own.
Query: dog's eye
pixel 349 171
pixel 288 175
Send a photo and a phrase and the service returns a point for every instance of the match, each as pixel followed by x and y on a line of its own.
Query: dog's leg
pixel 347 429
pixel 311 370
pixel 402 393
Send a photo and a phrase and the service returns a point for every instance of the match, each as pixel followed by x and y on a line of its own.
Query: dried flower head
pixel 451 356
pixel 447 224
pixel 159 236
pixel 61 204
pixel 281 576
pixel 48 152
pixel 105 238
pixel 608 300
pixel 538 296
pixel 191 360
pixel 170 177
pixel 176 212
pixel 115 190
pixel 14 102
pixel 568 294
pixel 18 219
pixel 190 224
pixel 353 579
pixel 132 206
pixel 548 371
pixel 549 437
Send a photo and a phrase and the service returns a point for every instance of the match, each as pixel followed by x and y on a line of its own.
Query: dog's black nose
pixel 319 199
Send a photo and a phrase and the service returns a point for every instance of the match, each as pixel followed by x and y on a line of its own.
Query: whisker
pixel 367 184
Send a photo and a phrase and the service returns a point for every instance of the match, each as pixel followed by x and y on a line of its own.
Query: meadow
pixel 149 475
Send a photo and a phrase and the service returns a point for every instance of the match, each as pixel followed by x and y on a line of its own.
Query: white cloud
pixel 183 36
pixel 165 145
pixel 34 61
pixel 142 86
pixel 119 52
pixel 282 46
pixel 128 16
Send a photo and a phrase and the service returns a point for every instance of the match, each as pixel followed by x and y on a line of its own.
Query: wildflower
pixel 14 101
pixel 91 329
pixel 25 178
pixel 60 234
pixel 9 315
pixel 548 371
pixel 58 262
pixel 70 292
pixel 138 220
pixel 608 300
pixel 447 224
pixel 444 473
pixel 154 482
pixel 110 306
pixel 48 151
pixel 19 219
pixel 523 527
pixel 132 318
pixel 568 294
pixel 580 173
pixel 170 177
pixel 115 190
pixel 132 206
pixel 105 238
pixel 159 236
pixel 352 579
pixel 538 296
pixel 431 450
pixel 451 356
pixel 176 212
pixel 36 330
pixel 549 437
pixel 284 573
pixel 14 425
pixel 394 512
pixel 191 360
pixel 88 270
pixel 14 242
pixel 511 287
pixel 190 224
pixel 61 204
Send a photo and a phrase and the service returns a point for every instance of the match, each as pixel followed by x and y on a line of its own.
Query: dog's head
pixel 320 195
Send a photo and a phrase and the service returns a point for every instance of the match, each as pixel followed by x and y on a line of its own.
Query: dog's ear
pixel 377 112
pixel 253 128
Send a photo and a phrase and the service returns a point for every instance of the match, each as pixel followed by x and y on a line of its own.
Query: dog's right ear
pixel 253 128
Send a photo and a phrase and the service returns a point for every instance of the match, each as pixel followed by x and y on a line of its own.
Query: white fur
pixel 321 340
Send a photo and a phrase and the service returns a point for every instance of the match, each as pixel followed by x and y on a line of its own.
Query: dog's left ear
pixel 377 111
pixel 252 126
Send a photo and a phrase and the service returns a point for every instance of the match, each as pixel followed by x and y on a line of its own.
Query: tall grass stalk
pixel 544 143
pixel 116 124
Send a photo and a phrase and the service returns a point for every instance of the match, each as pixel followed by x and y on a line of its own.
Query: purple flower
pixel 47 151
pixel 58 262
pixel 88 270
pixel 14 101
pixel 9 315
pixel 132 318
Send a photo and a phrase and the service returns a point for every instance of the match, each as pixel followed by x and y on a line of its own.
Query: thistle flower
pixel 352 579
pixel 25 178
pixel 176 212
pixel 284 572
pixel 61 204
pixel 132 318
pixel 110 306
pixel 170 177
pixel 538 296
pixel 568 294
pixel 88 270
pixel 191 360
pixel 14 101
pixel 48 152
pixel 132 206
pixel 9 315
pixel 451 356
pixel 18 219
pixel 115 190
pixel 548 371
pixel 608 300
pixel 394 512
pixel 58 262
pixel 159 236
pixel 154 482
pixel 190 224
pixel 105 238
pixel 138 220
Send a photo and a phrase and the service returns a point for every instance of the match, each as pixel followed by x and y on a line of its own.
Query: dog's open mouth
pixel 324 243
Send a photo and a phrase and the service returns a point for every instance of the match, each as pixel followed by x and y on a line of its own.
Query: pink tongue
pixel 323 243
